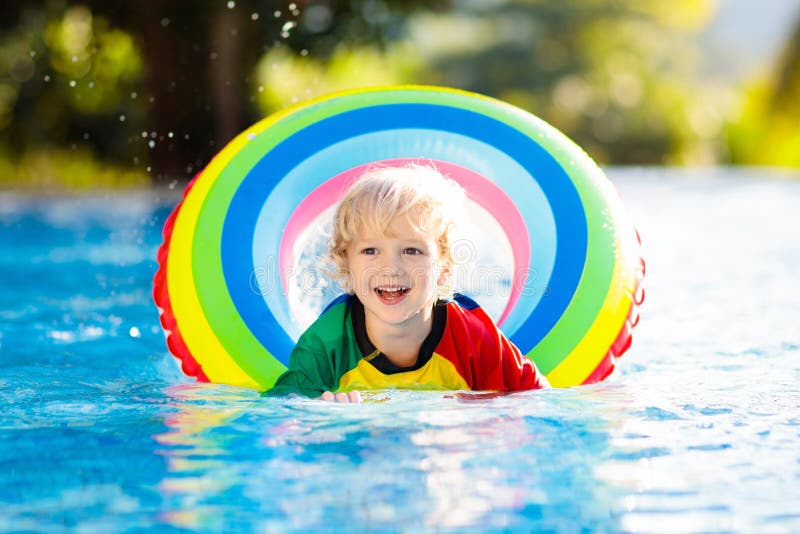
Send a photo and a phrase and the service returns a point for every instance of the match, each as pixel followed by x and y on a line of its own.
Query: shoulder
pixel 332 321
pixel 468 323
pixel 463 308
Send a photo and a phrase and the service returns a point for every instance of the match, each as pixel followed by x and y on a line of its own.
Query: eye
pixel 369 251
pixel 412 251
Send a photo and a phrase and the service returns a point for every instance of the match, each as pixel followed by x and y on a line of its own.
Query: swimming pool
pixel 698 431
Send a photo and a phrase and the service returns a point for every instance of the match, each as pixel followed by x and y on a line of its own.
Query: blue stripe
pixel 239 227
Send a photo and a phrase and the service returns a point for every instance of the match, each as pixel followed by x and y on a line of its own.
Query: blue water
pixel 698 431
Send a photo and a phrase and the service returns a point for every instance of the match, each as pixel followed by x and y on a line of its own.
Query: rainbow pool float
pixel 227 279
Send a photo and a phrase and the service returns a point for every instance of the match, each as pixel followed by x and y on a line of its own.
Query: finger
pixel 327 397
pixel 341 397
pixel 355 397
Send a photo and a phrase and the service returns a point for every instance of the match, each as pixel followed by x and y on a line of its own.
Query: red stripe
pixel 175 342
pixel 625 337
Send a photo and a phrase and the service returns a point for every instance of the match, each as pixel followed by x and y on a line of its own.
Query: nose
pixel 392 265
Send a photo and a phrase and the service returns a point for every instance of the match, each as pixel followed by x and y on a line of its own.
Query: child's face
pixel 395 276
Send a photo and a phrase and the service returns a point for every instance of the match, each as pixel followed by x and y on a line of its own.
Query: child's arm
pixel 519 371
pixel 501 364
pixel 310 371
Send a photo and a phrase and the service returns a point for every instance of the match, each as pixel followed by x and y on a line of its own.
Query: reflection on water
pixel 199 458
pixel 402 458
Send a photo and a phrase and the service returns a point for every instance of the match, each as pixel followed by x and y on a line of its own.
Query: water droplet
pixel 73 83
pixel 292 6
pixel 304 52
pixel 91 85
pixel 144 135
pixel 165 22
pixel 33 53
pixel 134 332
pixel 260 88
pixel 122 118
pixel 46 77
pixel 288 26
pixel 231 4
pixel 74 59
pixel 153 134
pixel 212 56
pixel 173 183
pixel 151 144
pixel 254 16
pixel 277 13
pixel 170 135
pixel 134 95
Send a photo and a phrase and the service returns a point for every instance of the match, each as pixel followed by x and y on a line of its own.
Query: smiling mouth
pixel 391 293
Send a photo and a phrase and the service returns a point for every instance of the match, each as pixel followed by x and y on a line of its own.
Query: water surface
pixel 698 431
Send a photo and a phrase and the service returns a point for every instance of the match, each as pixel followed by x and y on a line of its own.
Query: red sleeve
pixel 500 365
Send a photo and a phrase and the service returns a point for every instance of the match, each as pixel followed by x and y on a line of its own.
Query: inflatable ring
pixel 236 254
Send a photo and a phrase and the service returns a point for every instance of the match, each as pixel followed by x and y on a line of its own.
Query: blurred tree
pixel 162 85
pixel 766 130
pixel 67 77
pixel 617 76
pixel 159 84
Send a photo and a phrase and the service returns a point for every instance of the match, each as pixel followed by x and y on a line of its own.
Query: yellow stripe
pixel 591 350
pixel 217 364
pixel 438 374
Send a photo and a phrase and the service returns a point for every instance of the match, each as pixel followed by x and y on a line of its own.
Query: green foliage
pixel 617 77
pixel 56 170
pixel 98 64
pixel 285 78
pixel 765 131
pixel 68 80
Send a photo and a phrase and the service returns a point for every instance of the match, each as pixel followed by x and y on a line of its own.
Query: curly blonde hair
pixel 430 201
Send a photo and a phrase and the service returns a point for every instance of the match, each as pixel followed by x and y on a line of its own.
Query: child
pixel 400 325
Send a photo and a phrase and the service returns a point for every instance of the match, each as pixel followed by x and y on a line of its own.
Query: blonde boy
pixel 400 325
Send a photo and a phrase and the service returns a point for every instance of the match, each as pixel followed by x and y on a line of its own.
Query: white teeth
pixel 392 290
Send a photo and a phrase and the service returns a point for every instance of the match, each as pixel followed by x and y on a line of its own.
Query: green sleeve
pixel 309 373
pixel 324 352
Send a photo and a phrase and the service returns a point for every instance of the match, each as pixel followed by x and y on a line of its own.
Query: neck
pixel 400 343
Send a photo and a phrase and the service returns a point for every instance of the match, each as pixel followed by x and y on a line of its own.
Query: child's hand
pixel 352 397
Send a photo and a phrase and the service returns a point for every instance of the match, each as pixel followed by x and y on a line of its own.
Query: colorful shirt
pixel 464 351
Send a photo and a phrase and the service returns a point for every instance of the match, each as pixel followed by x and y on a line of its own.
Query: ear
pixel 444 276
pixel 444 281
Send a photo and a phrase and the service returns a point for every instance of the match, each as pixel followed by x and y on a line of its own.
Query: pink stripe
pixel 482 191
